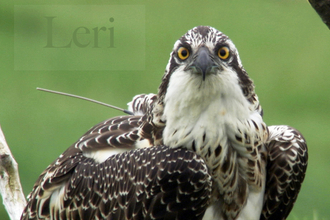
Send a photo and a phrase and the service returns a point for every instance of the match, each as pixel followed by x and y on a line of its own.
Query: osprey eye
pixel 223 53
pixel 183 53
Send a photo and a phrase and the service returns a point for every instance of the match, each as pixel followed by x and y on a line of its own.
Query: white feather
pixel 101 155
pixel 194 107
pixel 254 204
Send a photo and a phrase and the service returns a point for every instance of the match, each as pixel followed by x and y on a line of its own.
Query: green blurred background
pixel 283 44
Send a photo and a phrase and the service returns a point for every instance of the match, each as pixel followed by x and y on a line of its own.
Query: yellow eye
pixel 183 53
pixel 223 53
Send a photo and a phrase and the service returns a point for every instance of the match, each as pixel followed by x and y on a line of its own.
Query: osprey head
pixel 205 57
pixel 204 75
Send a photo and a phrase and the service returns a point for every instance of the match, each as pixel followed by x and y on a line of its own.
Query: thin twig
pixel 87 99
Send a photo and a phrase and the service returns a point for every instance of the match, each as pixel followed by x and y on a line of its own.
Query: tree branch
pixel 322 7
pixel 10 185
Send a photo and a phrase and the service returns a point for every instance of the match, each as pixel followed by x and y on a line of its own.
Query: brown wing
pixel 119 132
pixel 286 167
pixel 152 125
pixel 141 103
pixel 148 183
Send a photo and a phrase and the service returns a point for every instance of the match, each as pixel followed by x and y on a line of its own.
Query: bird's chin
pixel 212 70
pixel 208 77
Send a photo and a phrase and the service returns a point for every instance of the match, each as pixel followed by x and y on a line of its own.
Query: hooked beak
pixel 202 63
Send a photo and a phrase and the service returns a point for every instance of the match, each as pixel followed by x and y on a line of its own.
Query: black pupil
pixel 184 53
pixel 223 52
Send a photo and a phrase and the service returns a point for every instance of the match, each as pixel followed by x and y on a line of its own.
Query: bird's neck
pixel 198 117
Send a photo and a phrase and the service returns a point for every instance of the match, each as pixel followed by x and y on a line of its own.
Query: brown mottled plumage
pixel 198 149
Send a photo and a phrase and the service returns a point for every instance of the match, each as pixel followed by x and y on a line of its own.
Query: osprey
pixel 198 149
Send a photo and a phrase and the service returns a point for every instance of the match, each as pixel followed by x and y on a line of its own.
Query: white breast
pixel 194 107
